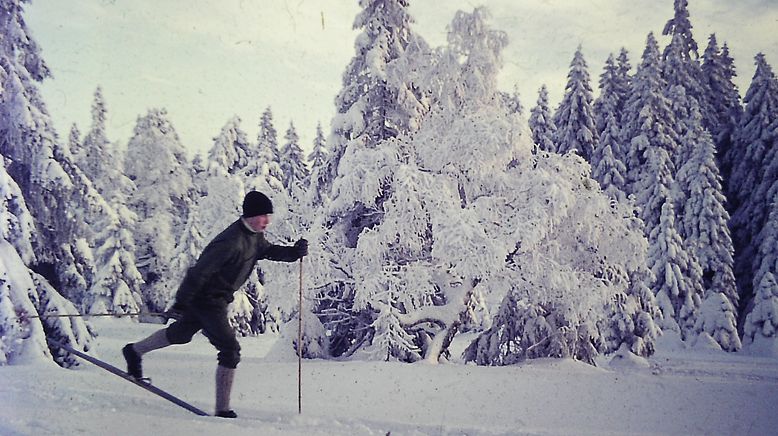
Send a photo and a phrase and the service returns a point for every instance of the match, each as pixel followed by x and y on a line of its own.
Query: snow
pixel 626 395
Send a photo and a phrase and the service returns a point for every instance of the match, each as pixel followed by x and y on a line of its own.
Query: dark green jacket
pixel 225 265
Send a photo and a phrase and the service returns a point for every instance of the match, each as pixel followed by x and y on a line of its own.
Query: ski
pixel 114 370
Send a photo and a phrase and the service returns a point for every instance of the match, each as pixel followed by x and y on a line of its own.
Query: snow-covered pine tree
pixel 704 228
pixel 648 121
pixel 574 118
pixel 374 104
pixel 718 71
pixel 156 163
pixel 293 166
pixel 755 137
pixel 541 123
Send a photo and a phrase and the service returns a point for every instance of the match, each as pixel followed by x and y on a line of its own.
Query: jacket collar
pixel 245 227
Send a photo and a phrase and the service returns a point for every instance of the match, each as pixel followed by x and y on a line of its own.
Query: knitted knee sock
pixel 157 340
pixel 224 378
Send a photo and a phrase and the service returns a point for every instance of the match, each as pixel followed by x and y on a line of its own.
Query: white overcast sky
pixel 207 60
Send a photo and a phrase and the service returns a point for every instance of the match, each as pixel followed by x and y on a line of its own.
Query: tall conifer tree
pixel 541 123
pixel 574 118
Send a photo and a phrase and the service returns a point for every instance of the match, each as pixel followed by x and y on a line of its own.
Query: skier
pixel 207 289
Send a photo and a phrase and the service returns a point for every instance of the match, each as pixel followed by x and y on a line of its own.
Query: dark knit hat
pixel 256 203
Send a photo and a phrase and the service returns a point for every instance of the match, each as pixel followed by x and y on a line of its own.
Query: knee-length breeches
pixel 212 320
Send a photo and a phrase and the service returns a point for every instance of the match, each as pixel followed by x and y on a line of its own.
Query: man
pixel 207 289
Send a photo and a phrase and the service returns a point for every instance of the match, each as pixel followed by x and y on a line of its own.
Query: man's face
pixel 258 223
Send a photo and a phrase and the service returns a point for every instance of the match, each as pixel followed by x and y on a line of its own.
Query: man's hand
pixel 175 313
pixel 302 248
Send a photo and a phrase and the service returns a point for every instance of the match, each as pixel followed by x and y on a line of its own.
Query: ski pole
pixel 300 345
pixel 88 315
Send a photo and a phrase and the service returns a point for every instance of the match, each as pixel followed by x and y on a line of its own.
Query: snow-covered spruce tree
pixel 752 135
pixel 266 149
pixel 36 159
pixel 703 227
pixel 317 160
pixel 318 156
pixel 608 100
pixel 655 187
pixel 718 71
pixel 761 326
pixel 230 149
pixel 541 123
pixel 16 222
pixel 99 159
pixel 77 268
pixel 24 293
pixel 648 121
pixel 607 166
pixel 296 175
pixel 293 166
pixel 681 64
pixel 116 287
pixel 755 136
pixel 93 156
pixel 682 94
pixel 574 118
pixel 156 163
pixel 766 259
pixel 373 104
pixel 678 289
pixel 270 294
pixel 74 139
pixel 382 97
pixel 622 79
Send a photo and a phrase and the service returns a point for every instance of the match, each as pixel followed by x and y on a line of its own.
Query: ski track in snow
pixel 674 393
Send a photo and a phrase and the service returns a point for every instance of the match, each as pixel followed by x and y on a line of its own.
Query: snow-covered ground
pixel 687 392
